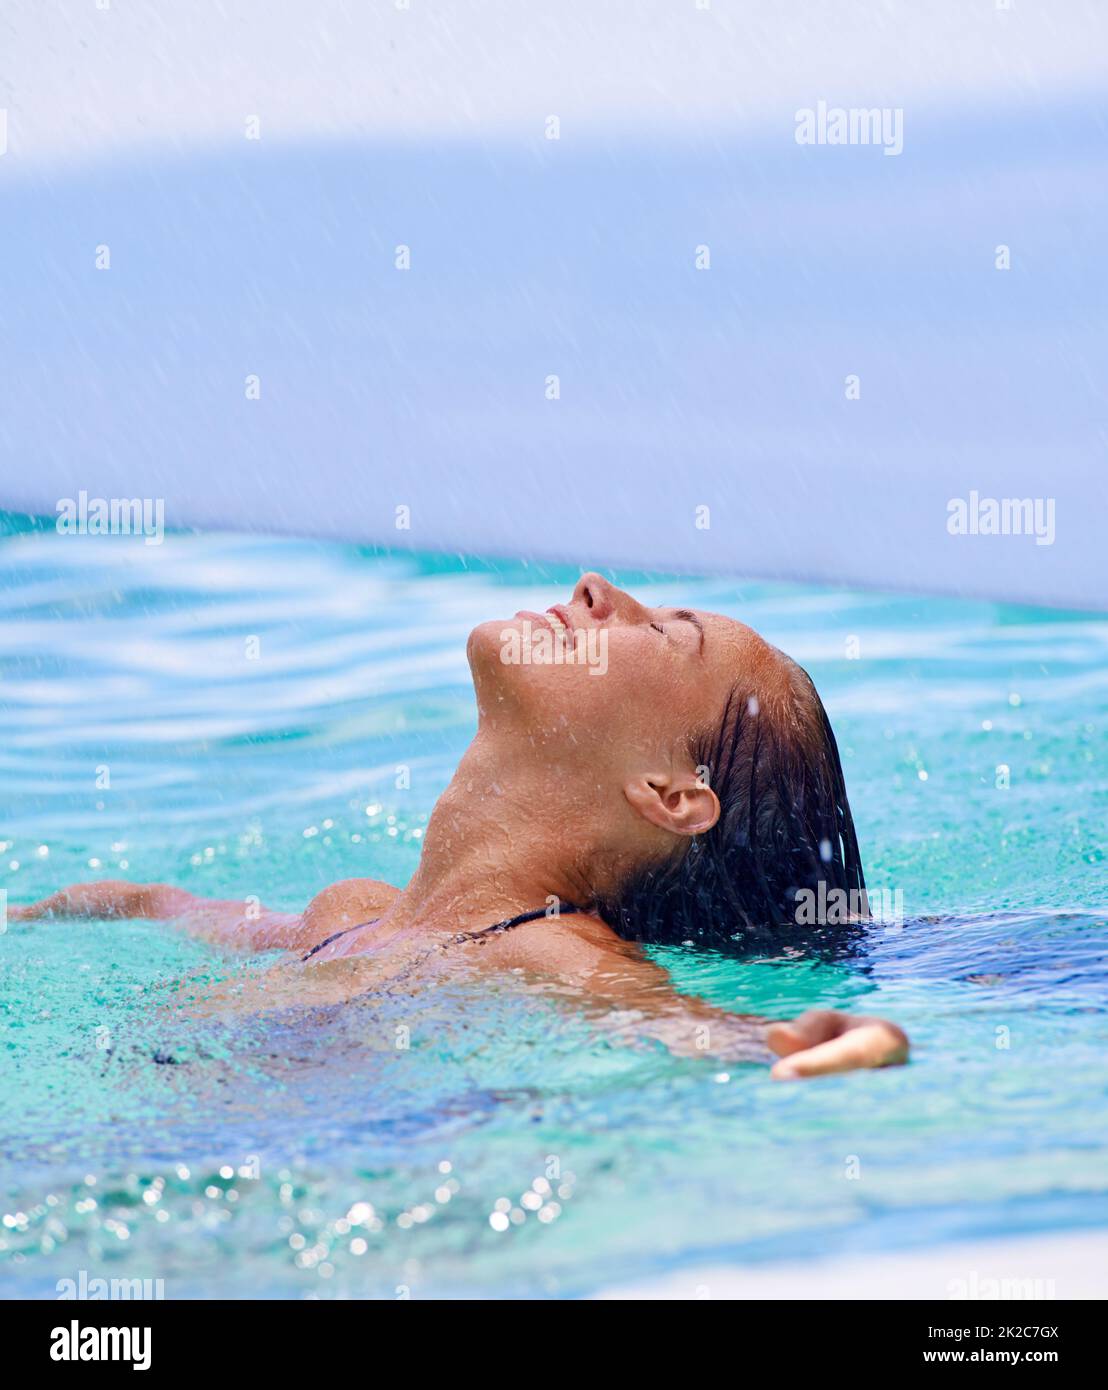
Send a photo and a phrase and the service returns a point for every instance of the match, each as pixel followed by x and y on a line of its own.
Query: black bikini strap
pixel 333 937
pixel 506 925
pixel 509 922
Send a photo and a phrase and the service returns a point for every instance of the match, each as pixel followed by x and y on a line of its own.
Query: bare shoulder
pixel 348 903
pixel 584 954
pixel 569 946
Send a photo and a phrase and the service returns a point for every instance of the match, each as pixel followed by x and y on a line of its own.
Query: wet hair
pixel 752 884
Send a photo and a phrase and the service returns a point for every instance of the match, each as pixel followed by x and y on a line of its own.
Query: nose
pixel 605 601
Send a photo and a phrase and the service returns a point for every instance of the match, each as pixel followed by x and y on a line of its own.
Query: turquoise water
pixel 306 1155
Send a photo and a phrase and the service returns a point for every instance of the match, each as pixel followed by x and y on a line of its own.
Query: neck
pixel 494 846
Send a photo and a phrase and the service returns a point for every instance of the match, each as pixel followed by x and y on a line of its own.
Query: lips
pixel 538 618
pixel 562 615
pixel 556 618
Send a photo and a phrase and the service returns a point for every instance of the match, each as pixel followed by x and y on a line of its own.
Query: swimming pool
pixel 224 712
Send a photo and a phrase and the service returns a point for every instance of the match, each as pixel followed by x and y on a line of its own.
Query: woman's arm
pixel 108 898
pixel 587 955
pixel 239 923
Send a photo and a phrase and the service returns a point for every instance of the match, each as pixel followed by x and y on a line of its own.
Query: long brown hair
pixel 784 828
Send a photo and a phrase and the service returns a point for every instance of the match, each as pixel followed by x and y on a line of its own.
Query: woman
pixel 638 775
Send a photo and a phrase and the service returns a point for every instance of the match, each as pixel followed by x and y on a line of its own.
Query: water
pixel 309 1156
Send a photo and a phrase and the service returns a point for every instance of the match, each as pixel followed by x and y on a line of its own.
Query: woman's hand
pixel 824 1040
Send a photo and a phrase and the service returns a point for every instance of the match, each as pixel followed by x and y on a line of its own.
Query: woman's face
pixel 612 688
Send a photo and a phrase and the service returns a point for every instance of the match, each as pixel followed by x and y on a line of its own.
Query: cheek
pixel 666 695
pixel 639 693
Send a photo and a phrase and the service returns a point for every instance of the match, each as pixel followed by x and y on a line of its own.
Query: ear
pixel 677 802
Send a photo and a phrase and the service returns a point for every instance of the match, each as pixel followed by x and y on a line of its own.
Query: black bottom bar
pixel 313 1338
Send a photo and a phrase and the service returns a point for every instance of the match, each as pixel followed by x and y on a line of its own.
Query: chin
pixel 486 642
pixel 537 689
pixel 497 683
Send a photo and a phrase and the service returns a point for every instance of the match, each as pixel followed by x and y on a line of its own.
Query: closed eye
pixel 685 616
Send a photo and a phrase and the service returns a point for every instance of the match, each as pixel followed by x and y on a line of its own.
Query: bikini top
pixel 459 937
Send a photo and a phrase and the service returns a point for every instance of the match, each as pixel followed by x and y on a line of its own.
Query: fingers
pixel 867 1045
pixel 811 1028
pixel 783 1039
pixel 27 912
